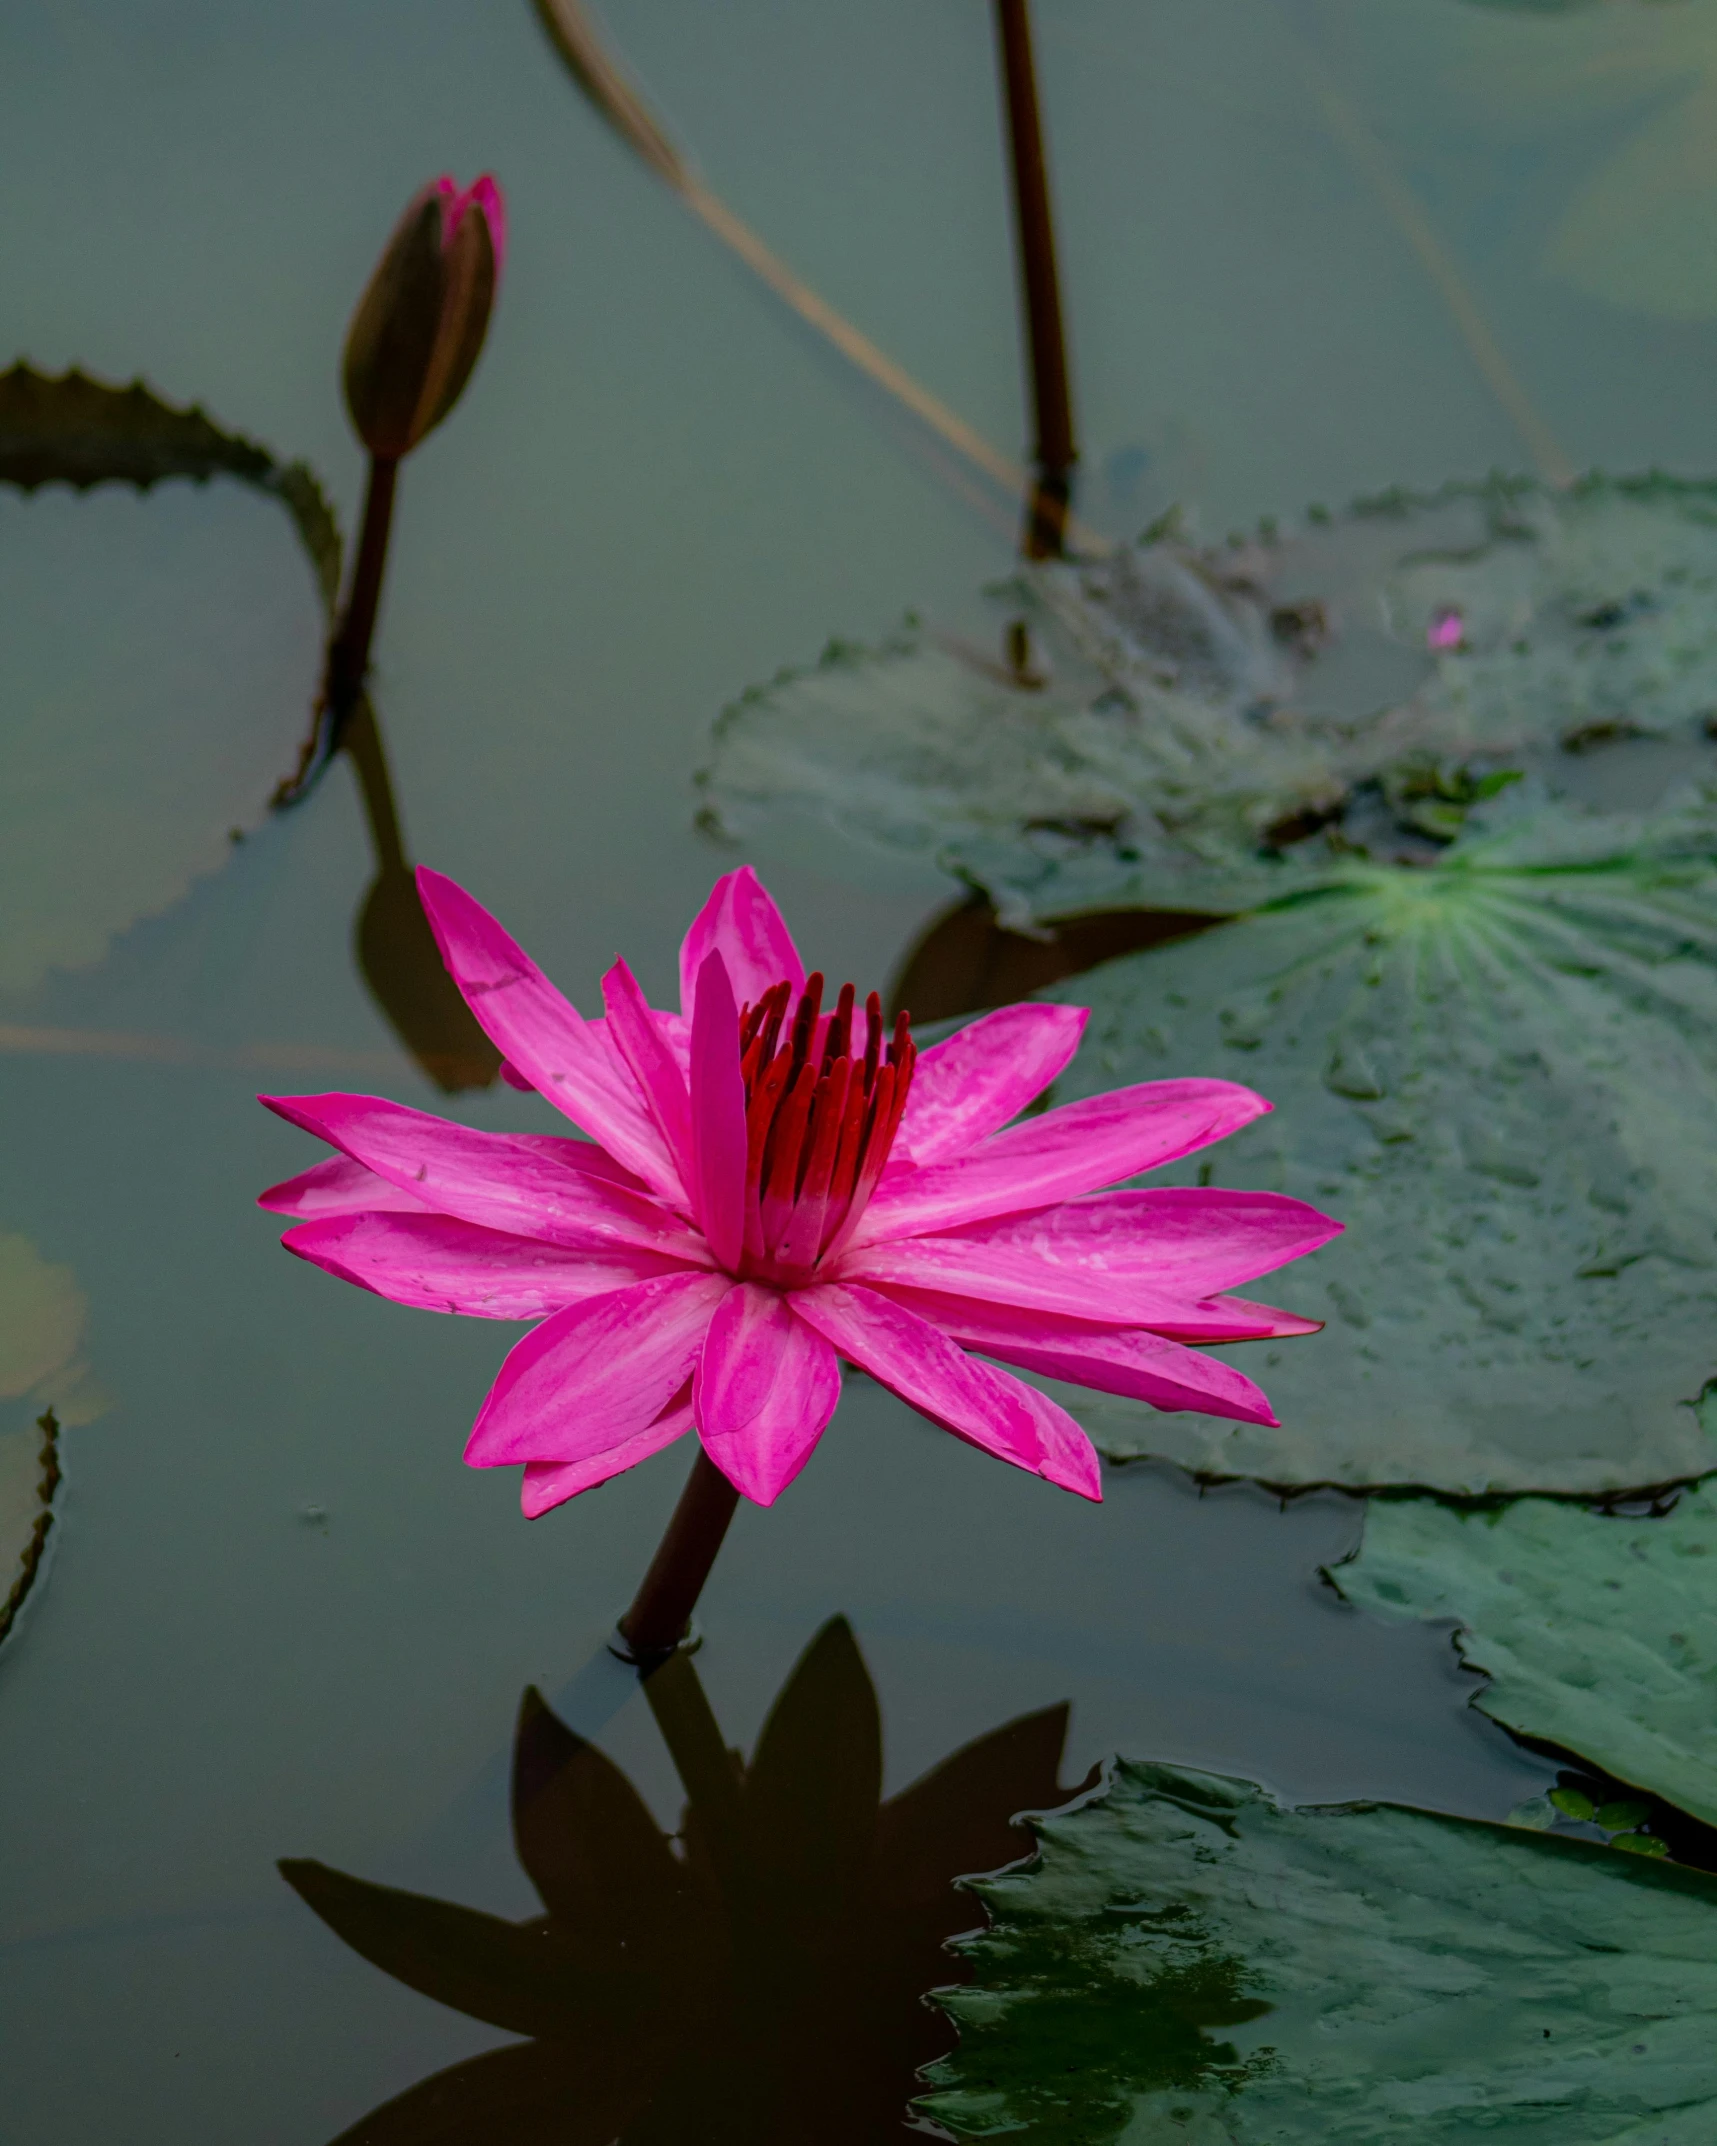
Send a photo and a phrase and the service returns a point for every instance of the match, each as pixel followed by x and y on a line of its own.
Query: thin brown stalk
pixel 573 35
pixel 1055 451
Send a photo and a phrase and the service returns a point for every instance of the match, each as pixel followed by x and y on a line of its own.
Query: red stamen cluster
pixel 820 1120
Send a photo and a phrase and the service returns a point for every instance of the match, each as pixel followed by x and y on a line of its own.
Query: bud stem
pixel 663 1605
pixel 349 651
pixel 348 661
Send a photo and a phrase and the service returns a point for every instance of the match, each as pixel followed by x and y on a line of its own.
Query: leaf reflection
pixel 758 1978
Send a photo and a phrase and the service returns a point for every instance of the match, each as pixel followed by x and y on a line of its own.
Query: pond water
pixel 1311 248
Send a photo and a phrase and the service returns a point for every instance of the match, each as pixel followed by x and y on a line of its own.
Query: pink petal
pixel 1232 1319
pixel 718 1114
pixel 741 924
pixel 919 1363
pixel 597 1374
pixel 526 1186
pixel 1067 1457
pixel 766 1387
pixel 1144 1367
pixel 435 1263
pixel 632 1029
pixel 1190 1239
pixel 485 193
pixel 1068 1151
pixel 339 1186
pixel 549 1483
pixel 972 1084
pixel 541 1035
pixel 1006 1273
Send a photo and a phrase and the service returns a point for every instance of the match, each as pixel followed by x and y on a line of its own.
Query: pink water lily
pixel 769 1189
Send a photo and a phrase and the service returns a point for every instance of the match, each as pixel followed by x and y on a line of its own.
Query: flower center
pixel 820 1117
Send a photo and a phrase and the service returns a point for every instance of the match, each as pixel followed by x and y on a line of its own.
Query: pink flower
pixel 1446 632
pixel 769 1189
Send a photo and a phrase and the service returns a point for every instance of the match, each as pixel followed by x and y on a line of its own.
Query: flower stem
pixel 348 661
pixel 1045 531
pixel 662 1608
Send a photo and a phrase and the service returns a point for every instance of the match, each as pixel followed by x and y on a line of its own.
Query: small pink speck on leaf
pixel 1446 632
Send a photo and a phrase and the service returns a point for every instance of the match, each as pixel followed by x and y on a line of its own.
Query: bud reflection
pixel 397 955
pixel 758 1977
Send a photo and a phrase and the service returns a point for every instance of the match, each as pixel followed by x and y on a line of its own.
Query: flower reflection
pixel 759 1976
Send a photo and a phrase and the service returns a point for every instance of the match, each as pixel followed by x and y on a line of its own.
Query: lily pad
pixel 116 797
pixel 1598 1633
pixel 1190 1961
pixel 29 1477
pixel 1497 1072
pixel 70 429
pixel 1208 730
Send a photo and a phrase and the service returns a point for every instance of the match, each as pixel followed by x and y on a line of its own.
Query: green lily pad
pixel 1187 729
pixel 29 1477
pixel 115 798
pixel 1598 1634
pixel 1190 1961
pixel 1497 1072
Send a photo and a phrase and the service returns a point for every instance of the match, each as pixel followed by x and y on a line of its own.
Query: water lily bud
pixel 421 322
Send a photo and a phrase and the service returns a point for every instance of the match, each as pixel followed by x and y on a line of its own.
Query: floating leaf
pixel 1190 1961
pixel 1598 1634
pixel 29 1477
pixel 1209 730
pixel 43 1314
pixel 115 798
pixel 1498 1073
pixel 70 429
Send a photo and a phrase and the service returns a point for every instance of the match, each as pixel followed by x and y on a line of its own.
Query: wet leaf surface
pixel 1191 1961
pixel 1182 729
pixel 1496 1072
pixel 1597 1633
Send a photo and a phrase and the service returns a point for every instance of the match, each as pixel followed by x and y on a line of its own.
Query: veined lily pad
pixel 1598 1634
pixel 1497 1072
pixel 29 1477
pixel 1190 1961
pixel 113 799
pixel 1210 730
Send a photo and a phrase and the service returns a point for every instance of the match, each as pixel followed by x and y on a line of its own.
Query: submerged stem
pixel 348 662
pixel 1055 452
pixel 663 1605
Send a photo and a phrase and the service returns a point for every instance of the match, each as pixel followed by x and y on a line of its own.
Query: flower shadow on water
pixel 760 1976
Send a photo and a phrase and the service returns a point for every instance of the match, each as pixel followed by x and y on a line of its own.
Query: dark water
pixel 281 1618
